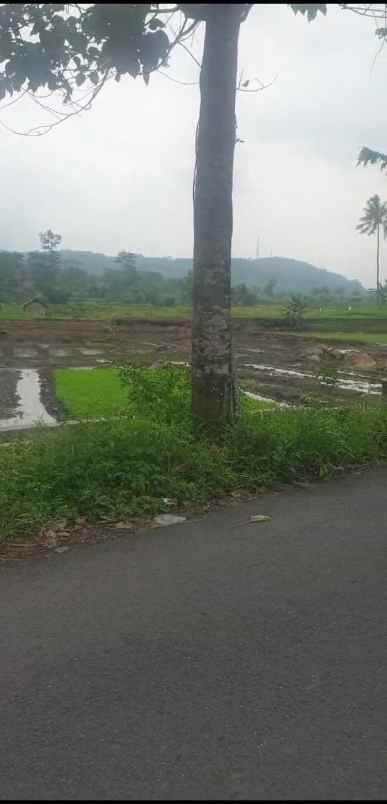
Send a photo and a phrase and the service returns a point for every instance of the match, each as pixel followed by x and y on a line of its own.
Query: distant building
pixel 372 296
pixel 37 307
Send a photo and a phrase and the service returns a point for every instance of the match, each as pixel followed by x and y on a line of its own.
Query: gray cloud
pixel 120 175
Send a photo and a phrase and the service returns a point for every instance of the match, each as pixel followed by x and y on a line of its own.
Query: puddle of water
pixel 345 351
pixel 30 409
pixel 350 373
pixel 273 370
pixel 25 352
pixel 358 385
pixel 59 352
pixel 90 352
pixel 265 399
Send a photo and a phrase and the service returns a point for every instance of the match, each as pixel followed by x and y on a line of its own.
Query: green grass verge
pixel 126 467
pixel 330 317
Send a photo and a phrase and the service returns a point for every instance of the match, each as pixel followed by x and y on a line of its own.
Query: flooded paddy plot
pixel 21 406
pixel 343 382
pixel 271 366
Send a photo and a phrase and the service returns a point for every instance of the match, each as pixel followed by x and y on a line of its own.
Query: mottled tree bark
pixel 214 397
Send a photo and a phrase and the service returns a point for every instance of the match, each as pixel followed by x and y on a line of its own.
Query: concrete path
pixel 211 660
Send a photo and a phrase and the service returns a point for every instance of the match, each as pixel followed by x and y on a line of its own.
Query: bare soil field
pixel 284 367
pixel 76 343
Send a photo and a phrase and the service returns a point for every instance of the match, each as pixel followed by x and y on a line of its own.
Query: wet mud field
pixel 292 369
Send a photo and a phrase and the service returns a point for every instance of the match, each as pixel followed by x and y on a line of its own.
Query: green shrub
pixel 329 376
pixel 295 311
pixel 158 395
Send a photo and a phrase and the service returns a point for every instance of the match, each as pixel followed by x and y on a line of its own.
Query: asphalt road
pixel 211 660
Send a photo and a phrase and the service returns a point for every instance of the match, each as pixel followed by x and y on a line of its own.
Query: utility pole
pixel 257 249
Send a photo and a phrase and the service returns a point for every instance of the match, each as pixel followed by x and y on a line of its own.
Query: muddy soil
pixel 259 355
pixel 48 397
pixel 56 344
pixel 8 395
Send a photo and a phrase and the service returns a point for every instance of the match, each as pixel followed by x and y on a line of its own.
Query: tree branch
pixel 190 54
pixel 371 10
pixel 243 88
pixel 44 128
pixel 176 80
pixel 367 155
pixel 155 8
pixel 15 100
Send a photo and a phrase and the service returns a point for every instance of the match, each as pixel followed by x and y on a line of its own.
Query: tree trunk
pixel 378 295
pixel 214 397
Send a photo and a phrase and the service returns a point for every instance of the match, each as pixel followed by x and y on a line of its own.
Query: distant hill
pixel 293 276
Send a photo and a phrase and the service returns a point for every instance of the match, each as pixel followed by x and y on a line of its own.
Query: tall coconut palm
pixel 373 220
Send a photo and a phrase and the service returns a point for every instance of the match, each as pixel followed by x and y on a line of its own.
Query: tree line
pixel 45 275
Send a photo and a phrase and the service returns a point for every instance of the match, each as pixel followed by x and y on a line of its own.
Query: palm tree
pixel 373 219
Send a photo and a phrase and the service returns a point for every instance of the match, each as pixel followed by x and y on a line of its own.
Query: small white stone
pixel 169 519
pixel 124 525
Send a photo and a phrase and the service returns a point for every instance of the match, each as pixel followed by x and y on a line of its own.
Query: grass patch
pixel 360 315
pixel 95 311
pixel 107 392
pixel 105 311
pixel 90 393
pixel 127 466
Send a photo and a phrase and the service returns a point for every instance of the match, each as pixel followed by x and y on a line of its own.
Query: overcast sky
pixel 120 176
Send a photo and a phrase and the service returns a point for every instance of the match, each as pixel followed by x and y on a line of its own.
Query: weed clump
pixel 128 465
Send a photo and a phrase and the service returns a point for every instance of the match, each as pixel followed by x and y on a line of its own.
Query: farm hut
pixel 37 307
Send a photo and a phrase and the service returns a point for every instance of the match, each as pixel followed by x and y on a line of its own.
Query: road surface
pixel 214 659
